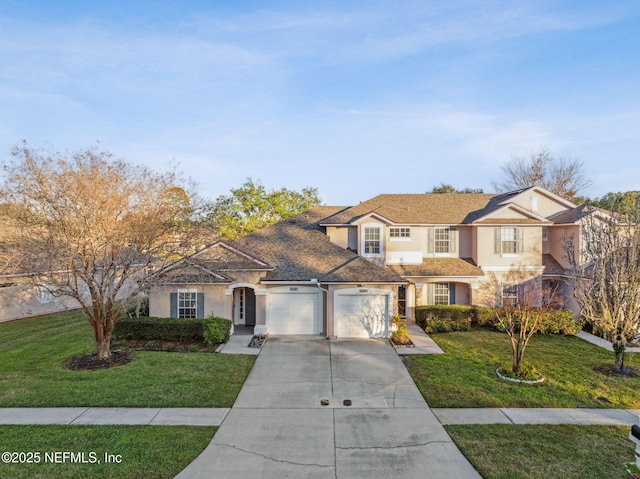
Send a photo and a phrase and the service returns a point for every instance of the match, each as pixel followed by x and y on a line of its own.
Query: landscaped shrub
pixel 400 336
pixel 437 325
pixel 444 319
pixel 212 330
pixel 217 330
pixel 560 321
pixel 164 329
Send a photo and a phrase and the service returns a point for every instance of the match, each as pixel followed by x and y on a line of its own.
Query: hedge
pixel 442 319
pixel 212 330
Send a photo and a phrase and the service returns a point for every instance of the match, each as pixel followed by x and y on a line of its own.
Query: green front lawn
pixel 465 375
pixel 501 451
pixel 143 452
pixel 33 353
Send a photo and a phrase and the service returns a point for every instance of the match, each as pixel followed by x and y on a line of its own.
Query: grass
pixel 33 353
pixel 145 451
pixel 465 375
pixel 501 451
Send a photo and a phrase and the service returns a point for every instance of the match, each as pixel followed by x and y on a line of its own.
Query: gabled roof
pixel 526 216
pixel 542 191
pixel 437 209
pixel 299 251
pixel 449 267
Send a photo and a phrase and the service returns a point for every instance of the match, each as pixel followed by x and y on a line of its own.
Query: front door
pixel 250 307
pixel 244 306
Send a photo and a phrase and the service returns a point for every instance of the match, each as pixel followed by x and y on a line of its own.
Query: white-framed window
pixel 372 241
pixel 441 240
pixel 545 233
pixel 508 240
pixel 399 233
pixel 441 293
pixel 509 294
pixel 187 303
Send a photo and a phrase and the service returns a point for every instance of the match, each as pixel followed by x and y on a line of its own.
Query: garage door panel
pixel 361 315
pixel 293 313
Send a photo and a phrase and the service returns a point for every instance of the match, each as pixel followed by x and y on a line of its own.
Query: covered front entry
pixel 244 306
pixel 362 313
pixel 294 310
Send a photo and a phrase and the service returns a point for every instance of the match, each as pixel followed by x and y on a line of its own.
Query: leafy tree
pixel 88 226
pixel 618 202
pixel 521 302
pixel 563 177
pixel 447 188
pixel 605 275
pixel 251 207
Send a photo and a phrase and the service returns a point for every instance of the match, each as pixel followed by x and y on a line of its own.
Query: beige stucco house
pixel 344 271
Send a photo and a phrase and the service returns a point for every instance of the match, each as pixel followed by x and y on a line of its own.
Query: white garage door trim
pixel 351 308
pixel 294 310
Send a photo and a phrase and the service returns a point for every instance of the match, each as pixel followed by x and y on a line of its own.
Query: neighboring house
pixel 344 271
pixel 20 299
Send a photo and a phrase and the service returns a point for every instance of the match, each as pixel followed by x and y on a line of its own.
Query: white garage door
pixel 361 313
pixel 293 312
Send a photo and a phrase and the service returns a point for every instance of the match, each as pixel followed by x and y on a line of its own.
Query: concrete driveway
pixel 291 418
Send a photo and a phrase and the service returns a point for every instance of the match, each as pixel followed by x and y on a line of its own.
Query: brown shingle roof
pixel 299 251
pixel 573 215
pixel 439 267
pixel 552 267
pixel 423 208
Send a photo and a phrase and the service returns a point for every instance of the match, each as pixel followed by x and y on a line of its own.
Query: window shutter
pixel 430 299
pixel 453 240
pixel 452 293
pixel 173 305
pixel 497 240
pixel 520 232
pixel 430 242
pixel 199 305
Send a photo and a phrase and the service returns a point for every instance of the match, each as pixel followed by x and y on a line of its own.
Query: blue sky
pixel 354 98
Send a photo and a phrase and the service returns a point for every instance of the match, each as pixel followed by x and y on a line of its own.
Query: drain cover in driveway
pixel 354 403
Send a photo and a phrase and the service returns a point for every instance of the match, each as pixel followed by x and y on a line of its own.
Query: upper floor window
pixel 508 241
pixel 372 240
pixel 442 240
pixel 399 233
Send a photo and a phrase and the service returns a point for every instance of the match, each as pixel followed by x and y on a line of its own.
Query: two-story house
pixel 344 271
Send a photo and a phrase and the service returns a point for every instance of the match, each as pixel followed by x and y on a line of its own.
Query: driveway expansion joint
pixel 407 446
pixel 281 461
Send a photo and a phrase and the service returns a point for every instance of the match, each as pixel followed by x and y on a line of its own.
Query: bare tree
pixel 560 176
pixel 520 302
pixel 88 226
pixel 605 276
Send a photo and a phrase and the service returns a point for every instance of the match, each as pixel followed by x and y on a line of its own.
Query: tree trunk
pixel 104 350
pixel 619 352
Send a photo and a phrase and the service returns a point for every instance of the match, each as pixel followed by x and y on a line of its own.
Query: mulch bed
pixel 90 362
pixel 611 371
pixel 166 346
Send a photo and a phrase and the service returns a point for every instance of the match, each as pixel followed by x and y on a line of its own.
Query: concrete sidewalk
pixel 603 343
pixel 422 342
pixel 114 416
pixel 588 417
